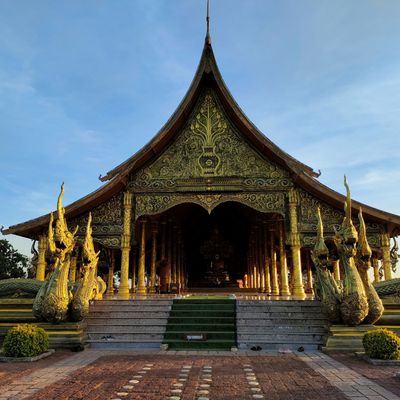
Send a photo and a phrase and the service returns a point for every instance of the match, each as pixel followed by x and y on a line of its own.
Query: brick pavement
pixel 384 375
pixel 98 375
pixel 347 380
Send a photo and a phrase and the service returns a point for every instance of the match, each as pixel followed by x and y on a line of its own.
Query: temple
pixel 211 202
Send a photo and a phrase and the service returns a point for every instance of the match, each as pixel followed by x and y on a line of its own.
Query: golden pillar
pixel 375 265
pixel 266 261
pixel 41 265
pixel 154 231
pixel 134 267
pixel 123 292
pixel 261 259
pixel 385 247
pixel 309 288
pixel 178 260
pixel 111 268
pixel 298 288
pixel 336 270
pixel 174 255
pixel 141 290
pixel 72 268
pixel 274 270
pixel 282 259
pixel 169 254
pixel 163 239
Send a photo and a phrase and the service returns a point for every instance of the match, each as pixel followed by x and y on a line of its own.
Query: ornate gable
pixel 210 154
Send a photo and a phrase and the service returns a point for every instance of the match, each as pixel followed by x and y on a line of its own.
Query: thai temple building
pixel 211 204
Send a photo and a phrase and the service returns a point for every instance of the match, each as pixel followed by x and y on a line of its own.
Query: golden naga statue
pixel 52 301
pixel 357 300
pixel 88 286
pixel 364 253
pixel 325 286
pixel 354 305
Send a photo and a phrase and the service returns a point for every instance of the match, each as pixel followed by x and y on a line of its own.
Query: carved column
pixel 282 258
pixel 154 231
pixel 169 254
pixel 111 268
pixel 41 265
pixel 375 265
pixel 261 259
pixel 163 239
pixel 134 267
pixel 385 247
pixel 174 255
pixel 72 268
pixel 274 271
pixel 309 288
pixel 266 261
pixel 298 288
pixel 141 290
pixel 123 292
pixel 178 260
pixel 336 270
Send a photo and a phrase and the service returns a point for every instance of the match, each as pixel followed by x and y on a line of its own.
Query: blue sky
pixel 85 84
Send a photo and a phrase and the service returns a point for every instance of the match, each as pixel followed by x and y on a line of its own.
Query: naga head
pixel 62 241
pixel 347 235
pixel 90 257
pixel 320 252
pixel 364 250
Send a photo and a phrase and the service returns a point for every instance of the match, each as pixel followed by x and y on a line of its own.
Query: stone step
pixel 127 328
pixel 260 330
pixel 132 315
pixel 286 337
pixel 284 347
pixel 138 337
pixel 131 308
pixel 124 303
pixel 278 303
pixel 243 322
pixel 128 320
pixel 124 344
pixel 278 315
pixel 278 309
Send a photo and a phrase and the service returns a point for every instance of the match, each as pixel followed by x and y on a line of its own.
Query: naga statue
pixel 325 286
pixel 354 305
pixel 51 302
pixel 89 284
pixel 364 253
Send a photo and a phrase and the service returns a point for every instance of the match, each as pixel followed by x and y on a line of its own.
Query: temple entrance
pixel 224 249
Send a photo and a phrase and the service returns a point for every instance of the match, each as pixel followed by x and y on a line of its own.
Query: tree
pixel 12 263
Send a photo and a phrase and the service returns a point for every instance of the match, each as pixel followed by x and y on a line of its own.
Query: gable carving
pixel 210 152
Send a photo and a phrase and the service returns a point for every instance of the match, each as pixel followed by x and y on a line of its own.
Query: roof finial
pixel 208 37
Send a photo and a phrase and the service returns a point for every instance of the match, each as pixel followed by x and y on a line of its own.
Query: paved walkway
pixel 99 374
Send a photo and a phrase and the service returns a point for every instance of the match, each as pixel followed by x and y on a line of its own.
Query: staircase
pixel 280 325
pixel 116 324
pixel 201 324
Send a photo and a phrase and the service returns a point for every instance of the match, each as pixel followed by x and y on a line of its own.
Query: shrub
pixel 25 340
pixel 382 344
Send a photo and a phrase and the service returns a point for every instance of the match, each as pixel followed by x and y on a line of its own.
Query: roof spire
pixel 208 37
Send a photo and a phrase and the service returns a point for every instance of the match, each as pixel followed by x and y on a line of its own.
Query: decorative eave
pixel 207 74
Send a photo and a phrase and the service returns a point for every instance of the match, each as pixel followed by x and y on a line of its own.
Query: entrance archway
pixel 226 248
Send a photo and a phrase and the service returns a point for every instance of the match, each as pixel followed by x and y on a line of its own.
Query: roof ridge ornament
pixel 208 37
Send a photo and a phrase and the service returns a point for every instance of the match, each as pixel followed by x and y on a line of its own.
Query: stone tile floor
pixel 98 374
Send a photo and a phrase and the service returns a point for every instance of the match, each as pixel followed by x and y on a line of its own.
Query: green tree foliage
pixel 12 263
